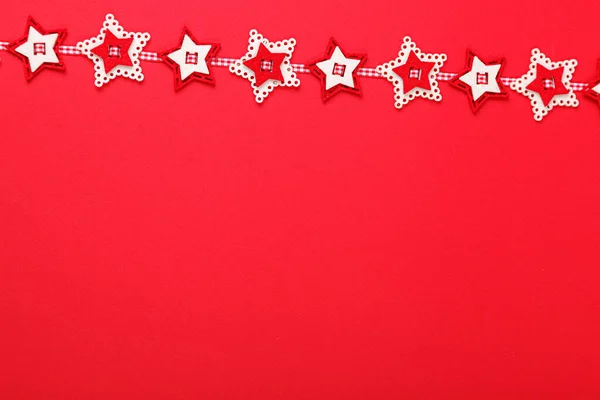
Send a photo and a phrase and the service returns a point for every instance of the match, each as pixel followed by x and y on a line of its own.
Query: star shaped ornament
pixel 337 71
pixel 547 84
pixel 413 74
pixel 190 60
pixel 266 65
pixel 480 80
pixel 115 52
pixel 38 49
pixel 593 88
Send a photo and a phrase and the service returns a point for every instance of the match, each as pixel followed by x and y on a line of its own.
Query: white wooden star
pixel 327 66
pixel 38 49
pixel 186 67
pixel 480 88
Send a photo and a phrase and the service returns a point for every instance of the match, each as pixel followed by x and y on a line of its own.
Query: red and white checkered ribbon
pixel 548 83
pixel 482 78
pixel 339 69
pixel 114 51
pixel 191 58
pixel 447 76
pixel 298 68
pixel 414 73
pixel 72 51
pixel 39 48
pixel 266 65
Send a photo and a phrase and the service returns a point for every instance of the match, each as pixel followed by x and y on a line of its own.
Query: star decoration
pixel 547 84
pixel 413 74
pixel 337 71
pixel 266 65
pixel 115 52
pixel 38 49
pixel 190 61
pixel 593 89
pixel 480 80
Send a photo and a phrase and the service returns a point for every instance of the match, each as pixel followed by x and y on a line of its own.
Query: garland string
pixel 298 68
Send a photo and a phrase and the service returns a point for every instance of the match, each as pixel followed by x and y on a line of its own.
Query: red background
pixel 156 245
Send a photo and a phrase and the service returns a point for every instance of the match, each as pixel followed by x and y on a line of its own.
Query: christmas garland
pixel 267 65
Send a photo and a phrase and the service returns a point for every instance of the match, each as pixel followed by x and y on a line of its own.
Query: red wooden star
pixel 590 92
pixel 114 51
pixel 548 83
pixel 415 73
pixel 266 65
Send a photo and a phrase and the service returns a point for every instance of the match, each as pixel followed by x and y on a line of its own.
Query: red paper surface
pixel 161 245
